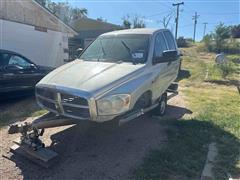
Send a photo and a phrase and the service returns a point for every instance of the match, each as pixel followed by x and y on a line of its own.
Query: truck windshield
pixel 120 48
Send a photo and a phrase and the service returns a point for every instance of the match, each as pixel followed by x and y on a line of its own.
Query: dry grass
pixel 19 110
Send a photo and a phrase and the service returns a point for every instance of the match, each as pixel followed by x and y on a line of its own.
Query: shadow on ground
pixel 183 74
pixel 185 154
pixel 100 151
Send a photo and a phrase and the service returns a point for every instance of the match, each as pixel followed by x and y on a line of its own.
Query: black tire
pixel 160 110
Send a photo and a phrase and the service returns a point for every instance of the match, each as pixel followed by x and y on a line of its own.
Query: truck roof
pixel 133 31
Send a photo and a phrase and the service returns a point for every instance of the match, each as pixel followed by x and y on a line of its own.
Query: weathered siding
pixel 43 48
pixel 31 13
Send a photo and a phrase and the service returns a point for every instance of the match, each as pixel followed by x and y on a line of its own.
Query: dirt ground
pixel 91 150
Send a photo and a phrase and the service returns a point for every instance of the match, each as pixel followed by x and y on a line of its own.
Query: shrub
pixel 221 41
pixel 234 58
pixel 226 69
pixel 181 42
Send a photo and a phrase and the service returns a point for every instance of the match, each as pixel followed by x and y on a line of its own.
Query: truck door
pixel 160 70
pixel 173 66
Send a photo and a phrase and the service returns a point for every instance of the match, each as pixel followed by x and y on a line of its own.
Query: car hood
pixel 91 76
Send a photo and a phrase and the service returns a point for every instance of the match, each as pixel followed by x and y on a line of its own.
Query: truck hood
pixel 91 76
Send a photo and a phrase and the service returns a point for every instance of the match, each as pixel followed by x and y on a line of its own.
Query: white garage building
pixel 34 32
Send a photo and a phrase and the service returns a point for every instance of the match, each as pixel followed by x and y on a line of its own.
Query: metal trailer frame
pixel 30 146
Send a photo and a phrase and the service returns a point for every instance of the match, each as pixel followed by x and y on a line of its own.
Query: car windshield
pixel 119 48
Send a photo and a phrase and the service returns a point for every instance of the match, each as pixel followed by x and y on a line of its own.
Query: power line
pixel 165 12
pixel 230 13
pixel 195 17
pixel 176 20
pixel 190 10
pixel 186 25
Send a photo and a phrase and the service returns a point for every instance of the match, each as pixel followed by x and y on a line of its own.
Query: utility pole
pixel 176 20
pixel 205 27
pixel 195 17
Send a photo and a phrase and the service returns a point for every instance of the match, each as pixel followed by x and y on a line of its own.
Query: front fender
pixel 135 87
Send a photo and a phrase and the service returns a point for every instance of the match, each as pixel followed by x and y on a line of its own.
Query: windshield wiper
pixel 104 53
pixel 128 49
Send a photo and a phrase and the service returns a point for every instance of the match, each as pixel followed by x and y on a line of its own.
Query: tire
pixel 160 110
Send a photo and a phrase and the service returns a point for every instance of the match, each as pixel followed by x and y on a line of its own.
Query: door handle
pixel 8 74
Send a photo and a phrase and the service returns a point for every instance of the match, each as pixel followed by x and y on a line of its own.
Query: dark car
pixel 18 75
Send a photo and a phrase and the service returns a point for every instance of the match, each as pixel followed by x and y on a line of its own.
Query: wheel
pixel 160 110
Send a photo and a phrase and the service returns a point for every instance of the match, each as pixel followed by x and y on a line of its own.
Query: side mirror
pixel 33 66
pixel 167 56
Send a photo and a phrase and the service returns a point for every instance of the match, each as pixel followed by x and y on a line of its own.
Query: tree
pixel 181 42
pixel 207 40
pixel 166 20
pixel 77 13
pixel 235 31
pixel 138 22
pixel 42 2
pixel 64 10
pixel 61 9
pixel 126 22
pixel 101 19
pixel 221 33
pixel 133 22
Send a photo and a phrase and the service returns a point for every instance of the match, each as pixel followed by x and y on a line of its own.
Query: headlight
pixel 114 104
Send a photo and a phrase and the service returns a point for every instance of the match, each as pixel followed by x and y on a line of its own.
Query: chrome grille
pixel 63 103
pixel 66 98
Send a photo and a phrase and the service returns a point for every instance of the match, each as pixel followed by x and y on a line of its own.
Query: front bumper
pixel 67 102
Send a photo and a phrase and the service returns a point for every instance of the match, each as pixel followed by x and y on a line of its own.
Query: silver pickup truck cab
pixel 120 72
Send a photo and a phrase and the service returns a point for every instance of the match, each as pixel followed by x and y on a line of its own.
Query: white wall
pixel 43 48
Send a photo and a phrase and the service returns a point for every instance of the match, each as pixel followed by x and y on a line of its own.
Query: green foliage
pixel 126 22
pixel 134 22
pixel 223 72
pixel 221 33
pixel 42 2
pixel 138 22
pixel 226 69
pixel 182 42
pixel 236 31
pixel 235 58
pixel 222 40
pixel 64 10
pixel 207 40
pixel 101 19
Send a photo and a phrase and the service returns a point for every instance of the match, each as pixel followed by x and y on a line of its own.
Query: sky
pixel 153 11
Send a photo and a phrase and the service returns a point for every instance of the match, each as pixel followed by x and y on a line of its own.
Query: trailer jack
pixel 30 145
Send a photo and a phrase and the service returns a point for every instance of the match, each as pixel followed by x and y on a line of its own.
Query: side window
pixel 170 40
pixel 20 61
pixel 4 57
pixel 160 45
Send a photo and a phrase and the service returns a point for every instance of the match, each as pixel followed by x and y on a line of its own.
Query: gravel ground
pixel 91 150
